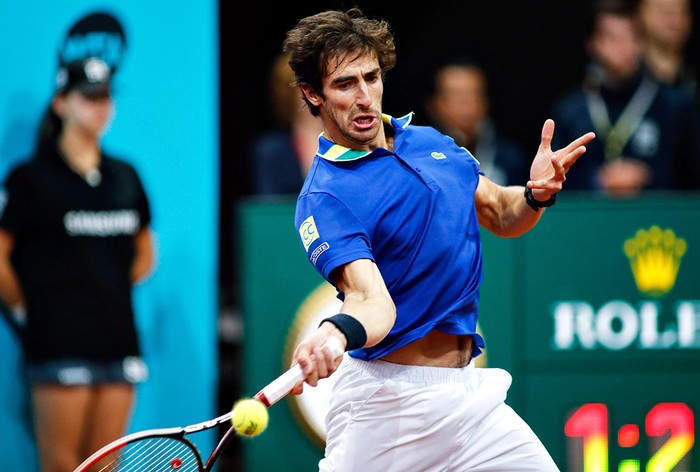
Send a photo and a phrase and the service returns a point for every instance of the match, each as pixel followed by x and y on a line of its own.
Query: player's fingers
pixel 553 183
pixel 569 159
pixel 582 140
pixel 552 186
pixel 577 147
pixel 298 389
pixel 559 167
pixel 547 134
pixel 309 367
pixel 332 358
pixel 303 357
pixel 324 362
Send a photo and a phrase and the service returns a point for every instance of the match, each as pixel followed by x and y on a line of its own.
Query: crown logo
pixel 655 256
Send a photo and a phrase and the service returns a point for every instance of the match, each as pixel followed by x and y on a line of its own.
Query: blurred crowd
pixel 639 94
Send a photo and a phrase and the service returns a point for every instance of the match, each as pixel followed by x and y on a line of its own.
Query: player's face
pixel 87 115
pixel 351 102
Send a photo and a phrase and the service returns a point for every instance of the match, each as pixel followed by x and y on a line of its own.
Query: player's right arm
pixel 10 291
pixel 367 299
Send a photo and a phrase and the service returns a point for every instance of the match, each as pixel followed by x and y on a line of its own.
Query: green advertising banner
pixel 595 313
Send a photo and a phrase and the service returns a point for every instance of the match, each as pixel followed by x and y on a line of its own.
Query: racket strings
pixel 155 454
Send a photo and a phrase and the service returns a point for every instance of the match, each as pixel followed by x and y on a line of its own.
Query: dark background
pixel 532 51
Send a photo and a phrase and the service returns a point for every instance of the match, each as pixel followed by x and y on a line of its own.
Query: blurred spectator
pixel 458 105
pixel 74 238
pixel 281 156
pixel 666 26
pixel 647 131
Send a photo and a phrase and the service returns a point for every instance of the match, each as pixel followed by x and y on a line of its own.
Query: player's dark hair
pixel 49 130
pixel 332 34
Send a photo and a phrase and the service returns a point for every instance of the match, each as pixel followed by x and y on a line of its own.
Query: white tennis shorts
pixel 388 417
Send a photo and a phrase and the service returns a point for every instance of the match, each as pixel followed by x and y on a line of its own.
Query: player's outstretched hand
pixel 549 168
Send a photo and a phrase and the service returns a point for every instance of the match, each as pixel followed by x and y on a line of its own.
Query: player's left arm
pixel 10 290
pixel 504 210
pixel 143 262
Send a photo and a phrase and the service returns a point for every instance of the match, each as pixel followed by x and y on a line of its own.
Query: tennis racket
pixel 171 449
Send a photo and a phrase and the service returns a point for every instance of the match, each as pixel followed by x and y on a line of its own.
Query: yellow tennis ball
pixel 249 417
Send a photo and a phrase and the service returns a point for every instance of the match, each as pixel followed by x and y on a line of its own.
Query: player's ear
pixel 311 95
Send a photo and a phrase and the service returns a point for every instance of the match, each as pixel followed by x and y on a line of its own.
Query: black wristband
pixel 353 330
pixel 536 204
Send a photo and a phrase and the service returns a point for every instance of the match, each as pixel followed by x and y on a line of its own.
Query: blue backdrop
pixel 166 124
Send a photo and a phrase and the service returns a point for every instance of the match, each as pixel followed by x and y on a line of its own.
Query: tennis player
pixel 389 214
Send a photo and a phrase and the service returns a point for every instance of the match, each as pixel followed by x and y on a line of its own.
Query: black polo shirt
pixel 74 246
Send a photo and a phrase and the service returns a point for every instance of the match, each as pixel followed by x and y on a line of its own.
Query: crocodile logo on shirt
pixel 438 156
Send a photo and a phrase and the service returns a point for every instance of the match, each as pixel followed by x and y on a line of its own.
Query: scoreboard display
pixel 595 313
pixel 617 427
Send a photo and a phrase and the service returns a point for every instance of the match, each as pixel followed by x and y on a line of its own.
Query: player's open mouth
pixel 365 122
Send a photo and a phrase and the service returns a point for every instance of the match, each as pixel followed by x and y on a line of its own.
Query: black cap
pixel 91 77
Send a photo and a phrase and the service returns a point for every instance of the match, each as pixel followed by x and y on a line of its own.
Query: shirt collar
pixel 335 152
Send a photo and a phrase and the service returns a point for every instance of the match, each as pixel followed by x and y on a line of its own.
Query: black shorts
pixel 72 372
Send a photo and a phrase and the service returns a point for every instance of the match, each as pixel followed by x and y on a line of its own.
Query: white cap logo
pixel 96 70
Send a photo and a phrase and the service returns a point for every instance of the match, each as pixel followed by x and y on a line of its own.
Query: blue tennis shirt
pixel 410 211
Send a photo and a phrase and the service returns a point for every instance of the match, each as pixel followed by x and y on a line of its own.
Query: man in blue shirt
pixel 389 214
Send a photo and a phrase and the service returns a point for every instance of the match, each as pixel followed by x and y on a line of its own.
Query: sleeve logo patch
pixel 308 232
pixel 323 247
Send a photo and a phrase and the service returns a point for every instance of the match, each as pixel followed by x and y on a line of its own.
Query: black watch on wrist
pixel 536 204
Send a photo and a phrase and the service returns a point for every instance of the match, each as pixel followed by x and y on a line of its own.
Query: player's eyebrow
pixel 345 78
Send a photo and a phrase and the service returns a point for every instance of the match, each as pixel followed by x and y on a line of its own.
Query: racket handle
pixel 282 385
